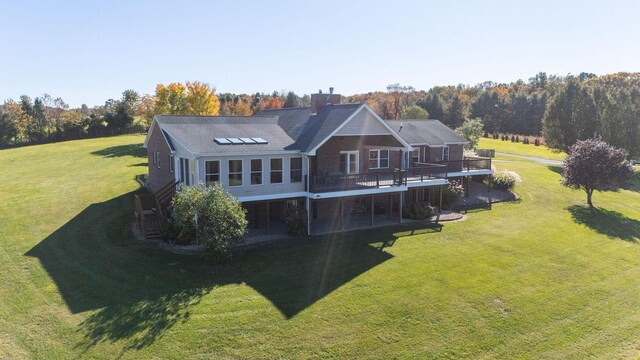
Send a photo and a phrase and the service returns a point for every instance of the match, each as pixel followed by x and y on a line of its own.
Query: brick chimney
pixel 320 100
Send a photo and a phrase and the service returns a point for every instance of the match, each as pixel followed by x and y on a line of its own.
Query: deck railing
pixel 466 164
pixel 355 181
pixel 427 172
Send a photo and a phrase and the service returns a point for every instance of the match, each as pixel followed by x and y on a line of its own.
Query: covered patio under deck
pixel 355 212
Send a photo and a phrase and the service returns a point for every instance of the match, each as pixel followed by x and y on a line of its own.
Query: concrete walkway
pixel 532 158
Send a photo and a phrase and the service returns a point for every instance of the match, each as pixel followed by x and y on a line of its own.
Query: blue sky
pixel 90 51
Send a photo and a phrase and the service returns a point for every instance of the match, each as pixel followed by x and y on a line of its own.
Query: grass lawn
pixel 539 278
pixel 520 149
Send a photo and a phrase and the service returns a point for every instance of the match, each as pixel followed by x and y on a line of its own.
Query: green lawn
pixel 520 149
pixel 539 278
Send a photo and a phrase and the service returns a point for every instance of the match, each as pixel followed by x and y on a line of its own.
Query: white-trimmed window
pixel 185 173
pixel 295 169
pixel 235 172
pixel 378 159
pixel 415 155
pixel 156 159
pixel 445 153
pixel 256 171
pixel 212 172
pixel 276 171
pixel 172 164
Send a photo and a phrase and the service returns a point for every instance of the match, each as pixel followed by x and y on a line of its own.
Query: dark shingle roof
pixel 431 132
pixel 197 132
pixel 320 126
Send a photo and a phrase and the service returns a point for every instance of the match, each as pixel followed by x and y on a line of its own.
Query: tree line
pixel 563 109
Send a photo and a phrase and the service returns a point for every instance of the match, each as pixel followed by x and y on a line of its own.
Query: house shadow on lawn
pixel 607 222
pixel 135 150
pixel 136 292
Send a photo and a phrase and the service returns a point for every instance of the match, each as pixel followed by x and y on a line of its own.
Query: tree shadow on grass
pixel 607 222
pixel 556 169
pixel 135 150
pixel 134 292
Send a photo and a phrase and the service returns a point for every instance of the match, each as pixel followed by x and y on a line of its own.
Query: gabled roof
pixel 292 129
pixel 197 133
pixel 429 132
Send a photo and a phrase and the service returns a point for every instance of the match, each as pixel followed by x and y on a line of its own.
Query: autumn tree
pixel 201 99
pixel 593 164
pixel 192 98
pixel 399 97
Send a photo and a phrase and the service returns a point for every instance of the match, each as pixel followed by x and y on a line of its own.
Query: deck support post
pixel 268 217
pixel 400 208
pixel 308 206
pixel 255 216
pixel 468 185
pixel 440 207
pixel 341 214
pixel 372 210
pixel 390 206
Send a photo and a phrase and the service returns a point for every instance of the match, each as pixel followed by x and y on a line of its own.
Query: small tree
pixel 471 130
pixel 595 165
pixel 209 216
pixel 414 112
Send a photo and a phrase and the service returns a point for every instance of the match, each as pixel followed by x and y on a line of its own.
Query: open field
pixel 520 149
pixel 542 277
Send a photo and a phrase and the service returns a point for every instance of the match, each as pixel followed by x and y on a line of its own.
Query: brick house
pixel 344 164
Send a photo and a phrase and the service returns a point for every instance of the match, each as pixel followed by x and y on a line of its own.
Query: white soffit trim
pixel 272 197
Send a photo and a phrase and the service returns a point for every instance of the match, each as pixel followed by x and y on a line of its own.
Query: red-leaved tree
pixel 595 165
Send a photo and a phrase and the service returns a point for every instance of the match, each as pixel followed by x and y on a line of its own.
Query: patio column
pixel 400 207
pixel 255 215
pixel 268 217
pixel 468 184
pixel 341 214
pixel 308 205
pixel 372 210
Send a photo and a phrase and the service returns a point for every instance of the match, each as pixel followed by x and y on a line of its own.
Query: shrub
pixel 209 216
pixel 418 211
pixel 536 142
pixel 452 192
pixel 505 179
pixel 296 220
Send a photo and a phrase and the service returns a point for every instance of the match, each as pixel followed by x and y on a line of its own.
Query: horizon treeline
pixel 563 109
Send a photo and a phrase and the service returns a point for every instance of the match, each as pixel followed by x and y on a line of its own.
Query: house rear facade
pixel 344 164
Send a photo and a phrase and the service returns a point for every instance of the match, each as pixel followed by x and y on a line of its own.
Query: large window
pixel 295 169
pixel 212 172
pixel 349 163
pixel 415 155
pixel 378 159
pixel 276 171
pixel 185 173
pixel 445 153
pixel 235 172
pixel 256 171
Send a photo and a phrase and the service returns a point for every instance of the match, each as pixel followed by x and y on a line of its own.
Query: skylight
pixel 259 140
pixel 240 141
pixel 222 141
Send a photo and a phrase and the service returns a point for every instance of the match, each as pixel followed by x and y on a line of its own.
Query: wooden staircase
pixel 150 210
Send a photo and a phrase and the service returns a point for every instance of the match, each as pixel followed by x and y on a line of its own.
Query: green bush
pixel 296 220
pixel 505 179
pixel 452 193
pixel 417 211
pixel 209 216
